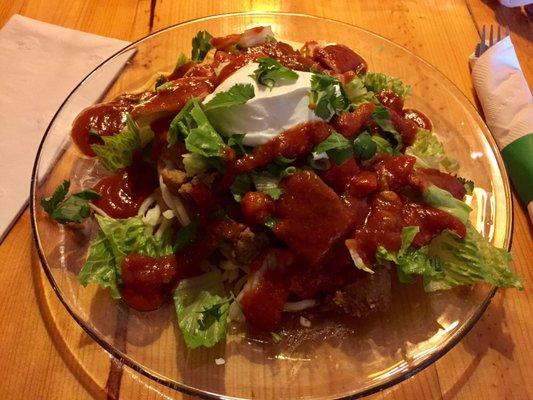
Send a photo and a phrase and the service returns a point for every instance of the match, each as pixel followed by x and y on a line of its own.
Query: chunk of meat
pixel 338 177
pixel 394 171
pixel 418 117
pixel 390 99
pixel 340 59
pixel 421 178
pixel 292 143
pixel 257 207
pixel 350 124
pixel 248 246
pixel 431 221
pixel 405 127
pixel 286 55
pixel 370 294
pixel 174 179
pixel 337 270
pixel 250 37
pixel 172 99
pixel 147 282
pixel 310 217
pixel 363 184
pixel 266 291
pixel 383 227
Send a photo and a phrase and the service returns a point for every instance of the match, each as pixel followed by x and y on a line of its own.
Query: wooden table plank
pixel 442 33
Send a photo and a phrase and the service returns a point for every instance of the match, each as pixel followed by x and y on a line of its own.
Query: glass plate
pixel 331 359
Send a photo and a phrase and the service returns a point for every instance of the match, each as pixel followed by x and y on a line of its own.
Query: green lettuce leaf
pixel 74 208
pixel 200 136
pixel 469 260
pixel 201 44
pixel 186 235
pixel 450 261
pixel 100 267
pixel 443 200
pixel 376 82
pixel 267 183
pixel 356 91
pixel 326 96
pixel 117 239
pixel 117 151
pixel 236 95
pixel 429 152
pixel 202 307
pixel 336 146
pixel 235 141
pixel 271 73
pixel 383 146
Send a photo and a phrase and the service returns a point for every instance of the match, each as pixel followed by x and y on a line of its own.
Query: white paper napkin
pixel 508 106
pixel 40 64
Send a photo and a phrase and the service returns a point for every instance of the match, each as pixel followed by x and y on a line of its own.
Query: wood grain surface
pixel 44 354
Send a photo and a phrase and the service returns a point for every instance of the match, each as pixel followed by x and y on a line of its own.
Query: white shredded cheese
pixel 305 322
pixel 168 214
pixel 98 210
pixel 145 205
pixel 174 203
pixel 299 305
pixel 220 361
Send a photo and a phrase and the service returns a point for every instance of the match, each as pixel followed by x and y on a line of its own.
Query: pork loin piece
pixel 310 217
pixel 367 295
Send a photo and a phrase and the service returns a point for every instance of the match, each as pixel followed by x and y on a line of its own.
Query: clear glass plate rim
pixel 459 334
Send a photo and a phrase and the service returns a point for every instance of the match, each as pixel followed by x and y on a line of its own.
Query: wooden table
pixel 44 354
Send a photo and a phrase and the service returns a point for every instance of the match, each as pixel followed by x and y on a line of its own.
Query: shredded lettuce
pixel 235 141
pixel 271 73
pixel 202 307
pixel 118 238
pixel 267 183
pixel 376 82
pixel 326 96
pixel 383 146
pixel 201 44
pixel 117 151
pixel 443 200
pixel 429 152
pixel 450 261
pixel 74 208
pixel 336 146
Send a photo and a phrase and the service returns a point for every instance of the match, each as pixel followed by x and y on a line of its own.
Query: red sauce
pixel 421 178
pixel 390 99
pixel 285 54
pixel 123 192
pixel 405 127
pixel 431 221
pixel 394 171
pixel 418 118
pixel 172 99
pixel 147 282
pixel 350 124
pixel 340 59
pixel 338 177
pixel 181 71
pixel 383 227
pixel 292 143
pixel 257 207
pixel 105 119
pixel 363 184
pixel 267 289
pixel 310 217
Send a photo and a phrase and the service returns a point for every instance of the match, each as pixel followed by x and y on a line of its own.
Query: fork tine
pixel 507 33
pixel 499 33
pixel 491 36
pixel 477 50
pixel 482 41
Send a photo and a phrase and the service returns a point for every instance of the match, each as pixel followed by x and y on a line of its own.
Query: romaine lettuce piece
pixel 376 82
pixel 202 307
pixel 429 152
pixel 443 200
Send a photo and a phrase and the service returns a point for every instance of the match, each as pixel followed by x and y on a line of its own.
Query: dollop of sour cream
pixel 270 112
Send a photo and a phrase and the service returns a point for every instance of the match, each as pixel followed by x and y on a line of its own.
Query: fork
pixel 482 47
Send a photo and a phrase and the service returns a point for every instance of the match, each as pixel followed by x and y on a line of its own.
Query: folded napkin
pixel 40 64
pixel 508 106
